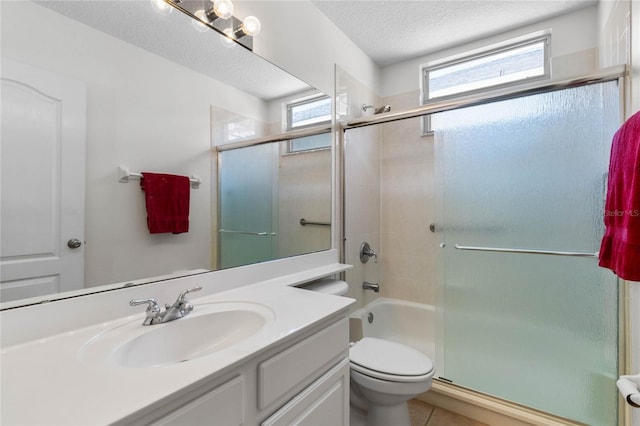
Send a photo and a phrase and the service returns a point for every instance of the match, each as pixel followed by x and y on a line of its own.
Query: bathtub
pixel 410 323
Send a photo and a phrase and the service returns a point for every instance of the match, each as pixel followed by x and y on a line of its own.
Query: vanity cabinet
pixel 325 402
pixel 222 405
pixel 304 381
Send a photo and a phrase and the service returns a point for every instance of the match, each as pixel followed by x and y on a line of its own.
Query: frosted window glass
pixel 529 173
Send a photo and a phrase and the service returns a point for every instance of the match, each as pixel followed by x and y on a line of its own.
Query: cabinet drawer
pixel 296 367
pixel 221 406
pixel 325 402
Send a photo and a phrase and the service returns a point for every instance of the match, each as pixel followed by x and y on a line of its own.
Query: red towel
pixel 167 200
pixel 620 249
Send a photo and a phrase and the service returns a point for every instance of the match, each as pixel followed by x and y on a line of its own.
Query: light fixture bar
pixel 228 28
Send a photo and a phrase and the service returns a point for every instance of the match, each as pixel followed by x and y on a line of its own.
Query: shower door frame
pixel 619 73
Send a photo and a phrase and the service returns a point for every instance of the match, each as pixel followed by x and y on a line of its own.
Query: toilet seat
pixel 390 361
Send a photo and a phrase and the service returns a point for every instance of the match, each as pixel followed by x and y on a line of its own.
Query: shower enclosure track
pixel 607 74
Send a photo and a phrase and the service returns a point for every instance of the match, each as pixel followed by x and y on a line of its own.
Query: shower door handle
pixel 528 251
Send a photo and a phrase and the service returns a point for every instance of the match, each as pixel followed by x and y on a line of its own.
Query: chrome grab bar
pixel 259 234
pixel 527 251
pixel 304 222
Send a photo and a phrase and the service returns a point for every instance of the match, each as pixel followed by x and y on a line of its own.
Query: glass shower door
pixel 528 173
pixel 247 205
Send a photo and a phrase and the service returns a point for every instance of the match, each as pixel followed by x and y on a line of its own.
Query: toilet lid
pixel 389 357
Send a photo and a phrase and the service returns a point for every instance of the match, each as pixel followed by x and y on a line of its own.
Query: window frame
pixel 289 127
pixel 304 101
pixel 512 44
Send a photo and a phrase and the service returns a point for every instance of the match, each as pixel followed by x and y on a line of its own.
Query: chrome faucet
pixel 180 308
pixel 371 286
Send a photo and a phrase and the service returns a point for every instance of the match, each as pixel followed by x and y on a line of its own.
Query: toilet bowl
pixel 385 375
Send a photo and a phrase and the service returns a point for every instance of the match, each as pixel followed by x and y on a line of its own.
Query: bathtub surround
pixel 361 191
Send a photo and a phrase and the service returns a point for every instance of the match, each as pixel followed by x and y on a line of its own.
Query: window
pixel 510 64
pixel 309 112
pixel 310 143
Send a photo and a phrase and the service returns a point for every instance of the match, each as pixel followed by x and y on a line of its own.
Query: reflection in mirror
pixel 137 100
pixel 273 203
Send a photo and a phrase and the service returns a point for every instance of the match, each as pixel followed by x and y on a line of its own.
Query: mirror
pixel 156 94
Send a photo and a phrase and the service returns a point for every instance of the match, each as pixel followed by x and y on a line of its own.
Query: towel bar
pixel 124 174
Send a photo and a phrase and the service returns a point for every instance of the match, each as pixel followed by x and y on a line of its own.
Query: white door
pixel 42 151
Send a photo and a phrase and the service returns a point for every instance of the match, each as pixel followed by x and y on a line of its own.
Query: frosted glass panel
pixel 247 217
pixel 529 173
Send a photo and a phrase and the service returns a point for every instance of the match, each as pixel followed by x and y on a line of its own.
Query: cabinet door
pixel 325 402
pixel 221 406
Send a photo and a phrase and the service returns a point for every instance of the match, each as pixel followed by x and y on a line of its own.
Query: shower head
pixel 379 110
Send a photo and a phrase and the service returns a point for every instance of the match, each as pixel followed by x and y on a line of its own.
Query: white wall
pixel 143 112
pixel 297 37
pixel 573 44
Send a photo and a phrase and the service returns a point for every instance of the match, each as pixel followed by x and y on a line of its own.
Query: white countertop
pixel 49 381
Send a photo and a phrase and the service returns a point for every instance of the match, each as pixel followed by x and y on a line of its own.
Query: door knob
pixel 74 243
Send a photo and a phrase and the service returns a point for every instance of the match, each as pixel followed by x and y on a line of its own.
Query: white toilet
pixel 384 374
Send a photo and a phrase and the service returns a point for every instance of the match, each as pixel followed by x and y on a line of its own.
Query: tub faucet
pixel 371 286
pixel 180 308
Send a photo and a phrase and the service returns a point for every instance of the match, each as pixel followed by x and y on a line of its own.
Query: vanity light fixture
pixel 217 15
pixel 250 27
pixel 220 9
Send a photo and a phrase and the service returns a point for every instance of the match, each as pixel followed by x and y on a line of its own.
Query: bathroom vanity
pixel 264 353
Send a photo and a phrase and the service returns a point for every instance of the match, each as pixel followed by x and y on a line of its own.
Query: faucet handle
pixel 153 305
pixel 153 309
pixel 181 296
pixel 183 304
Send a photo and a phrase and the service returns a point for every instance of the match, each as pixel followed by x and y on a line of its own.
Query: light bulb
pixel 199 24
pixel 251 25
pixel 161 7
pixel 223 8
pixel 227 39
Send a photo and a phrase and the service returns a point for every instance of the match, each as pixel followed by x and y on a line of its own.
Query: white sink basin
pixel 209 329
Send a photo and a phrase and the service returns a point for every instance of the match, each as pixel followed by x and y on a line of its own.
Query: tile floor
pixel 423 414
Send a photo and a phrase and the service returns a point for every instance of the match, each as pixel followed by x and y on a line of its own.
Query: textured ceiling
pixel 388 31
pixel 173 37
pixel 392 31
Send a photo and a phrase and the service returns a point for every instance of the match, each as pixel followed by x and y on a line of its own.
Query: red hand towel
pixel 620 248
pixel 167 200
